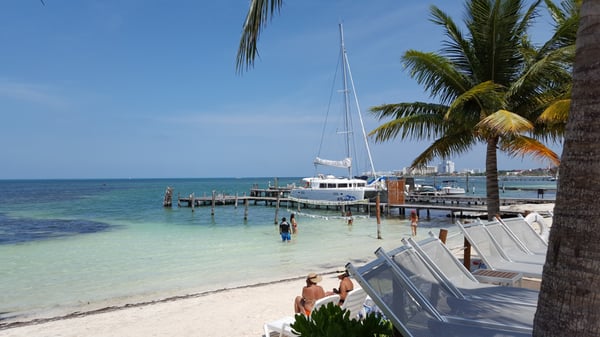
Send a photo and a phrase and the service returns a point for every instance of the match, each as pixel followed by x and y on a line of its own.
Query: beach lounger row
pixel 509 245
pixel 425 291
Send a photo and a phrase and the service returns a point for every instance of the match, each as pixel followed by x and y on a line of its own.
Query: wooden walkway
pixel 456 205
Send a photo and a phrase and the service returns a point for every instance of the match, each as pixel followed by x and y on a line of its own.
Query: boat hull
pixel 328 194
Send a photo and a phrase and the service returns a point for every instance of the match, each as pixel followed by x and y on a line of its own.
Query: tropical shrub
pixel 332 321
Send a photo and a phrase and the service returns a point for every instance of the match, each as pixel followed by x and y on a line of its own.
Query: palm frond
pixel 436 74
pixel 556 113
pixel 259 13
pixel 525 146
pixel 486 94
pixel 456 48
pixel 410 121
pixel 452 144
pixel 504 122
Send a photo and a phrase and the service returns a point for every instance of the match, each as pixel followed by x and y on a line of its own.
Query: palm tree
pixel 490 86
pixel 570 291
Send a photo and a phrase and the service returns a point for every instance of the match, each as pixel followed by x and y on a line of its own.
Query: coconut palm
pixel 570 291
pixel 566 21
pixel 490 85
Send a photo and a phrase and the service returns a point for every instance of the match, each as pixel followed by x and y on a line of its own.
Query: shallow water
pixel 72 245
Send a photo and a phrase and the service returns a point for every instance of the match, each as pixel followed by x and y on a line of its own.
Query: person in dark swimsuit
pixel 345 287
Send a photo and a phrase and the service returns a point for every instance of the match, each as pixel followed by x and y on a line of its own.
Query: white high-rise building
pixel 446 167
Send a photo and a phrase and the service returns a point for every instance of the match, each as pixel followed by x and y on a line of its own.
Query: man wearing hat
pixel 310 294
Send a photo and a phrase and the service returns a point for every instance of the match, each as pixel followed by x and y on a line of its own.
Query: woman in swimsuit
pixel 345 287
pixel 310 294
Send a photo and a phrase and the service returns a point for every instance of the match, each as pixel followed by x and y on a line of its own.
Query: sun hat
pixel 342 272
pixel 314 278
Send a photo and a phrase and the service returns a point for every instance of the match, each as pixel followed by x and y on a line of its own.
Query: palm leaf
pixel 556 113
pixel 526 146
pixel 451 144
pixel 486 94
pixel 410 120
pixel 436 74
pixel 504 122
pixel 258 14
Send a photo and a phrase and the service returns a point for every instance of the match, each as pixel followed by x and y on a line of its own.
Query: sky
pixel 149 89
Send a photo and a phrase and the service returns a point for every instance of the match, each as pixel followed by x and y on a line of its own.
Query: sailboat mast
pixel 346 98
pixel 347 73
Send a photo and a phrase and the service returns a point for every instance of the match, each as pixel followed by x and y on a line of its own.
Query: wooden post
pixel 212 205
pixel 378 216
pixel 168 200
pixel 192 201
pixel 443 235
pixel 236 201
pixel 245 207
pixel 276 208
pixel 467 255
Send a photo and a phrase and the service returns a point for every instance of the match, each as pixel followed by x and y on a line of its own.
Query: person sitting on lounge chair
pixel 310 294
pixel 345 287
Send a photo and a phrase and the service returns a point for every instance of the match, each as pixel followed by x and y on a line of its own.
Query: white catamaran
pixel 329 189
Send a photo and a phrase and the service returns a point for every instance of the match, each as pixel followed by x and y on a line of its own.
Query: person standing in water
pixel 414 221
pixel 294 223
pixel 285 230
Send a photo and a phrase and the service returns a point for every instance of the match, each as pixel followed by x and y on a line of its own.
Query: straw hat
pixel 341 271
pixel 314 278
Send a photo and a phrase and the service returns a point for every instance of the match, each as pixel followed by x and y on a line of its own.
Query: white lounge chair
pixel 413 315
pixel 435 253
pixel 510 245
pixel 523 230
pixel 282 326
pixel 493 257
pixel 354 302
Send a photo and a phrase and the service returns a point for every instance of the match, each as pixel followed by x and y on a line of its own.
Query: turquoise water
pixel 75 245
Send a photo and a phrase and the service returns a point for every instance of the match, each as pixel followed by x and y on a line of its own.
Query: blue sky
pixel 148 89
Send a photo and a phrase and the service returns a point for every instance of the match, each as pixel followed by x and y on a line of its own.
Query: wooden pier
pixel 456 205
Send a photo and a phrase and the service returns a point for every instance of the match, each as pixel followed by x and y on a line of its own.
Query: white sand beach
pixel 235 312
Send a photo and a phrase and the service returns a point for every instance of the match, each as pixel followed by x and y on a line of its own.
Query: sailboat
pixel 330 189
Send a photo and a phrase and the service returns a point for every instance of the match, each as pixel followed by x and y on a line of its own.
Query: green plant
pixel 332 321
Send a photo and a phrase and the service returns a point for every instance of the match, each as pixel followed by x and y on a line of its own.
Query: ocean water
pixel 77 245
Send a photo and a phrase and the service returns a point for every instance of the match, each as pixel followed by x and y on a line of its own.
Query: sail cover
pixel 344 163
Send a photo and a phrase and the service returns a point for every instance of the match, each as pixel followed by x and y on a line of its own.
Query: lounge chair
pixel 446 297
pixel 523 230
pixel 493 257
pixel 354 302
pixel 413 315
pixel 449 269
pixel 512 248
pixel 282 327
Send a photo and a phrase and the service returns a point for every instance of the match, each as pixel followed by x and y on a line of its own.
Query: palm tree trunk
pixel 569 299
pixel 491 181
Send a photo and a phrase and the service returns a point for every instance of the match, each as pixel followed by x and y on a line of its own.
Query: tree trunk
pixel 569 302
pixel 491 180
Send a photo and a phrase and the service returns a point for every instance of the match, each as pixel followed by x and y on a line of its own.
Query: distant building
pixel 446 167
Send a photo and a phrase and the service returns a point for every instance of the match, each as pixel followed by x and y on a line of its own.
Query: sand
pixel 235 312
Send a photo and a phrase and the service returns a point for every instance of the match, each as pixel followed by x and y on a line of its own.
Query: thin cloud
pixel 31 93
